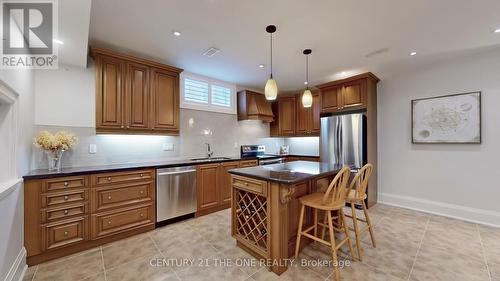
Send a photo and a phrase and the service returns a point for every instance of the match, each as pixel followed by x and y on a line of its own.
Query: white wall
pixel 455 180
pixel 12 253
pixel 66 96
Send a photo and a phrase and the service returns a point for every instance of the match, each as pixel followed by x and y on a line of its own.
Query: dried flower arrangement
pixel 54 145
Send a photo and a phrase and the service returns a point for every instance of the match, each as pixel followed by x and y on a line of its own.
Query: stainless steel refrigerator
pixel 343 140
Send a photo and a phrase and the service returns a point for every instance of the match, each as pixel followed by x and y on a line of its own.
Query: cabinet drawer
pixel 122 177
pixel 58 184
pixel 254 186
pixel 114 222
pixel 105 198
pixel 65 197
pixel 248 163
pixel 64 211
pixel 65 233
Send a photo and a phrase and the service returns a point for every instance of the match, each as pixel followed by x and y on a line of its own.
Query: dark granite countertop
pixel 73 171
pixel 288 173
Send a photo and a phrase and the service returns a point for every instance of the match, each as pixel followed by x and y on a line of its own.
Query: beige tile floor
pixel 411 246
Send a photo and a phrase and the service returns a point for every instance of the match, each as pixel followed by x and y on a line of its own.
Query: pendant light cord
pixel 271 56
pixel 307 72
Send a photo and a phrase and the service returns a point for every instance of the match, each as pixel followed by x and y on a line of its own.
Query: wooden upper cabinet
pixel 135 95
pixel 346 94
pixel 109 93
pixel 287 112
pixel 304 115
pixel 315 112
pixel 165 101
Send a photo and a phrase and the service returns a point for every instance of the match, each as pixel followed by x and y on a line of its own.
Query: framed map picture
pixel 447 119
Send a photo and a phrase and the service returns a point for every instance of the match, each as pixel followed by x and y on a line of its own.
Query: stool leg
pixel 299 231
pixel 315 224
pixel 324 227
pixel 333 246
pixel 356 231
pixel 370 226
pixel 346 230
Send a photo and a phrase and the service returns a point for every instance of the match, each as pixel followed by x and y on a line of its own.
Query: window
pixel 203 93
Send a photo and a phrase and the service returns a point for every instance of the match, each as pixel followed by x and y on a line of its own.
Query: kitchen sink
pixel 210 159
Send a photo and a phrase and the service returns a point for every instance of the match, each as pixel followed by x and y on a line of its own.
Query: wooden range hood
pixel 254 106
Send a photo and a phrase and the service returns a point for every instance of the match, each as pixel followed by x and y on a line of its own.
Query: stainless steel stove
pixel 259 152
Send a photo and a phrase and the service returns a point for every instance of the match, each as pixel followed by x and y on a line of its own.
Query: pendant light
pixel 307 98
pixel 271 89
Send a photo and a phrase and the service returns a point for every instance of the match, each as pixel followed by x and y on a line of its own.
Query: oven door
pixel 271 161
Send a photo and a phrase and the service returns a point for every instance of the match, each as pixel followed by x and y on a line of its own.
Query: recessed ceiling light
pixel 176 33
pixel 262 65
pixel 413 53
pixel 497 30
pixel 57 41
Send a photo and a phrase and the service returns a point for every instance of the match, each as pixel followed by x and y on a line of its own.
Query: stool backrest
pixel 360 181
pixel 336 191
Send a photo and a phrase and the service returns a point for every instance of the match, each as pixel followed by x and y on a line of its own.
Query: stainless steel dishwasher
pixel 175 192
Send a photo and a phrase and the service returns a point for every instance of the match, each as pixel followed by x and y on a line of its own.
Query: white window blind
pixel 221 96
pixel 202 93
pixel 195 91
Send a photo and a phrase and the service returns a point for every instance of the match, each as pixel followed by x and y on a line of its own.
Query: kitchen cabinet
pixel 254 106
pixel 285 116
pixel 348 94
pixel 308 118
pixel 134 95
pixel 68 214
pixel 214 187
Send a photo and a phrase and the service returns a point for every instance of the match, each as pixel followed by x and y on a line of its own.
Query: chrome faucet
pixel 209 150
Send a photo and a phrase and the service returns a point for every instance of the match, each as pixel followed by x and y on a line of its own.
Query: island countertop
pixel 288 173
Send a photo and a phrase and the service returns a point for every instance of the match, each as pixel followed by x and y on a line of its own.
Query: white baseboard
pixel 474 215
pixel 18 268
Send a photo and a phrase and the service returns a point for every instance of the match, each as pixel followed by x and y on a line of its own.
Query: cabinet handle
pixel 141 192
pixel 142 175
pixel 66 233
pixel 66 212
pixel 109 222
pixel 66 183
pixel 109 178
pixel 109 197
pixel 66 198
pixel 246 183
pixel 141 214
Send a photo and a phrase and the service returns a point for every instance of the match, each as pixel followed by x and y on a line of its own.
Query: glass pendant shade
pixel 307 98
pixel 271 89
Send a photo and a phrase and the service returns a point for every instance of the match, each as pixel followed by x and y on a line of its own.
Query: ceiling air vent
pixel 210 52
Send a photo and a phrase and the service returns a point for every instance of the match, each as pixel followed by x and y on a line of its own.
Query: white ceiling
pixel 73 23
pixel 340 34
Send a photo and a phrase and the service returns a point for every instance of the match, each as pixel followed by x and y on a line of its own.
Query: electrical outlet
pixel 92 148
pixel 168 146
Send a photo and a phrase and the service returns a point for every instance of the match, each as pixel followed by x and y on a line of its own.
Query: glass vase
pixel 54 158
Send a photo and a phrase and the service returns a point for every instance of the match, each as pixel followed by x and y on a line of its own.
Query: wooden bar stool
pixel 356 195
pixel 333 200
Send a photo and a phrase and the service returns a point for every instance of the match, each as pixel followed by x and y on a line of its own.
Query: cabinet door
pixel 303 126
pixel 225 182
pixel 353 95
pixel 137 97
pixel 207 191
pixel 287 114
pixel 315 114
pixel 331 99
pixel 165 101
pixel 109 93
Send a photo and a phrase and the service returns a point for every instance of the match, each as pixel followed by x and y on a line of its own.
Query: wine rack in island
pixel 250 225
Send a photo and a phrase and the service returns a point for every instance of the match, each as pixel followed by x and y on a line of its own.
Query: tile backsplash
pixel 224 133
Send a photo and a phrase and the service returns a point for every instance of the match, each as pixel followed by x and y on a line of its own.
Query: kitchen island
pixel 265 207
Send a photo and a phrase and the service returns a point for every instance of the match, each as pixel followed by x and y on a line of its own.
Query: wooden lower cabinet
pixel 214 186
pixel 65 215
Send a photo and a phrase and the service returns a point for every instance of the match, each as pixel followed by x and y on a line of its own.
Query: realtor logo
pixel 28 31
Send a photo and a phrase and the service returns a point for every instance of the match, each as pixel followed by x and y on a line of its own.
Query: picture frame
pixel 448 119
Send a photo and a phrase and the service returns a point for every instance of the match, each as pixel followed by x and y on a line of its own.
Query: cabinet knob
pixel 141 214
pixel 109 222
pixel 246 183
pixel 66 198
pixel 66 212
pixel 128 127
pixel 109 197
pixel 66 233
pixel 122 127
pixel 66 183
pixel 109 178
pixel 141 192
pixel 141 175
